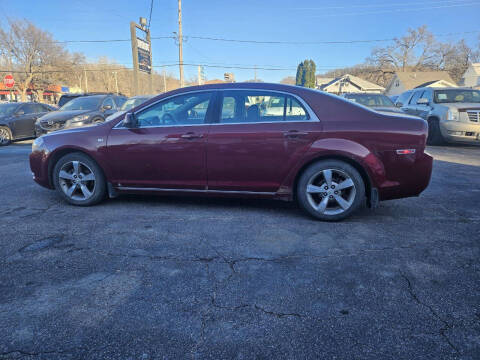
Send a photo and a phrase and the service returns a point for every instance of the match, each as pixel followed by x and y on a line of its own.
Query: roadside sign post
pixel 9 83
pixel 141 54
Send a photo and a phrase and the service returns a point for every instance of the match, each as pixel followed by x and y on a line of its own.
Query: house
pixel 407 80
pixel 471 77
pixel 351 84
pixel 320 81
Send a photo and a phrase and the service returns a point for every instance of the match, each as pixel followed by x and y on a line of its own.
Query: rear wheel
pixel 435 136
pixel 330 190
pixel 79 180
pixel 5 136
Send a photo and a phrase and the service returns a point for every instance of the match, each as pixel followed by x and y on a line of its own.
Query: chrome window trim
pixel 311 113
pixel 308 109
pixel 117 126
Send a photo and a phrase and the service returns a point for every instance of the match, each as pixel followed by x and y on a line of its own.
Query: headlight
pixel 452 115
pixel 38 144
pixel 79 118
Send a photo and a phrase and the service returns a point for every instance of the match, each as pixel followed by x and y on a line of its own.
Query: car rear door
pixel 167 148
pixel 256 139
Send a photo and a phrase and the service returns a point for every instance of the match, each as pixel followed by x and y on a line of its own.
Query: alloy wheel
pixel 4 136
pixel 331 191
pixel 77 180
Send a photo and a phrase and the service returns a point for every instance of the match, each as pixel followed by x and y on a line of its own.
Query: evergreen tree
pixel 306 74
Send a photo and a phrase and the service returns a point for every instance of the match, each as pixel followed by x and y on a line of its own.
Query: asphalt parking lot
pixel 169 278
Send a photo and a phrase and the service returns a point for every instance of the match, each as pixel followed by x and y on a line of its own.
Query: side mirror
pixel 129 121
pixel 422 101
pixel 107 107
pixel 398 105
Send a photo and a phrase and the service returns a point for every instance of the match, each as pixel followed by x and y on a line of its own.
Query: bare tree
pixel 33 54
pixel 413 51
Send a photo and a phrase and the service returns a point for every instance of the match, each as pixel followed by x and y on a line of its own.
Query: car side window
pixel 402 99
pixel 29 109
pixel 120 100
pixel 294 111
pixel 109 101
pixel 417 95
pixel 188 109
pixel 253 106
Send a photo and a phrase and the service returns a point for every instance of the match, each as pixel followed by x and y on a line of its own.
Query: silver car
pixel 453 114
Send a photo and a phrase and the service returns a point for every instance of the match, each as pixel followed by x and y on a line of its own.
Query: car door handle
pixel 191 135
pixel 294 133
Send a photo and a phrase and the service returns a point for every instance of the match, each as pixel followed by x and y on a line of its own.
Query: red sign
pixel 8 81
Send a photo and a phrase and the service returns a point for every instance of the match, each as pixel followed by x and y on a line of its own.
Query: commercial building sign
pixel 143 51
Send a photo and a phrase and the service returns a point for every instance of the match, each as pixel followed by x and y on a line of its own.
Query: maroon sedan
pixel 250 139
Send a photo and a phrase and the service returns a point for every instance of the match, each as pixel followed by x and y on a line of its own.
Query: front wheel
pixel 79 180
pixel 5 136
pixel 330 190
pixel 435 136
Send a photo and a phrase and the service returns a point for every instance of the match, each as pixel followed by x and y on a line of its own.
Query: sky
pixel 266 20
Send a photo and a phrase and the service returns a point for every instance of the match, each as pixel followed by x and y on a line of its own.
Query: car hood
pixel 461 106
pixel 62 116
pixel 387 109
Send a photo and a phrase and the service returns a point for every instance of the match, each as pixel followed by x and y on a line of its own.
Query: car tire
pixel 435 136
pixel 79 180
pixel 5 136
pixel 330 190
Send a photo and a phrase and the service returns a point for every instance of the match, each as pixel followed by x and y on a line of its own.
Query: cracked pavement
pixel 142 277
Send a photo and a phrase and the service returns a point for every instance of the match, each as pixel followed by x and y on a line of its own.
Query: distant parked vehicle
pixel 17 120
pixel 377 102
pixel 130 103
pixel 67 97
pixel 453 114
pixel 82 111
pixel 332 157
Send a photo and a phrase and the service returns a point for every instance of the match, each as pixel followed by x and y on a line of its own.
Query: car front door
pixel 412 108
pixel 256 139
pixel 166 150
pixel 24 121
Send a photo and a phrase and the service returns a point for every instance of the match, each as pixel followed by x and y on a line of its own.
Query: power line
pixel 270 42
pixel 382 5
pixel 396 10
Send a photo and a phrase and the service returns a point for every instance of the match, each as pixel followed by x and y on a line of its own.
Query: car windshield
pixel 457 96
pixel 7 109
pixel 371 100
pixel 132 102
pixel 83 103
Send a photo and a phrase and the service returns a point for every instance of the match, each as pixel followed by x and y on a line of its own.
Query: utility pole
pixel 86 80
pixel 180 41
pixel 151 63
pixel 116 82
pixel 164 81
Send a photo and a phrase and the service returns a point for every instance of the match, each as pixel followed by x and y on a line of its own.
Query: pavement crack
pixel 277 314
pixel 446 325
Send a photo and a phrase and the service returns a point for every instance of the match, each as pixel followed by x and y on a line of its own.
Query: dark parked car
pixel 130 104
pixel 67 97
pixel 377 102
pixel 79 112
pixel 329 154
pixel 17 120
